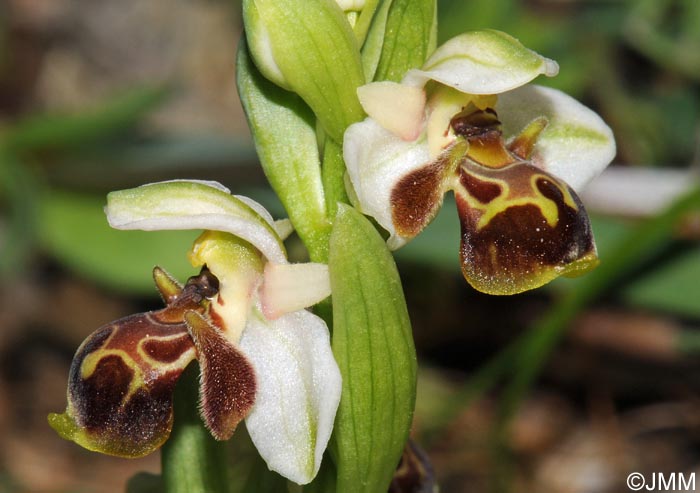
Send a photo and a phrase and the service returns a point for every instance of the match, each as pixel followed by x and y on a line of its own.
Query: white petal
pixel 576 145
pixel 298 392
pixel 398 108
pixel 376 160
pixel 291 287
pixel 482 62
pixel 193 205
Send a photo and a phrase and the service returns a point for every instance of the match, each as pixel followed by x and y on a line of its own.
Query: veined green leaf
pixel 284 131
pixel 410 36
pixel 373 345
pixel 310 48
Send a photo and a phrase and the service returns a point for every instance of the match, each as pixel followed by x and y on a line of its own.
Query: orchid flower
pixel 512 153
pixel 262 357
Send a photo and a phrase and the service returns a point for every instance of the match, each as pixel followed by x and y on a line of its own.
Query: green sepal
pixel 283 128
pixel 410 35
pixel 365 19
pixel 373 345
pixel 309 48
pixel 374 40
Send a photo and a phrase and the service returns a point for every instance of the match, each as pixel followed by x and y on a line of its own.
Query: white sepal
pixel 376 160
pixel 298 392
pixel 193 205
pixel 482 62
pixel 575 146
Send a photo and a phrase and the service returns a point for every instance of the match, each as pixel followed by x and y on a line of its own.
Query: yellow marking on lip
pixel 181 362
pixel 89 365
pixel 547 207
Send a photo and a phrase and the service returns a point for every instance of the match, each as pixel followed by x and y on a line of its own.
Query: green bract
pixel 373 345
pixel 309 48
pixel 284 132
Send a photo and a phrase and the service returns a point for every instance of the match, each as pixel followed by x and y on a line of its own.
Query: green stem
pixel 333 175
pixel 192 461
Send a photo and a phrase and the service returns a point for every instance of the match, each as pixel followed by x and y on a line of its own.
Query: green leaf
pixel 410 36
pixel 57 132
pixel 74 230
pixel 284 131
pixel 18 187
pixel 373 345
pixel 311 45
pixel 672 287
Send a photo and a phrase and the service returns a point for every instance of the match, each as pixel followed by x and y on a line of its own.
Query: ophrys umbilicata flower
pixel 512 153
pixel 263 357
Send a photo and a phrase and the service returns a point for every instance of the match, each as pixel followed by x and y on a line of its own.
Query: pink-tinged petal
pixel 298 391
pixel 575 146
pixel 397 107
pixel 482 62
pixel 291 287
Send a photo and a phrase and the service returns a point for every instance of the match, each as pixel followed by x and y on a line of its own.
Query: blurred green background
pixel 568 388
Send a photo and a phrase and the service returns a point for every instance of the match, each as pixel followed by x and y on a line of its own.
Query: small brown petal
pixel 228 380
pixel 417 197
